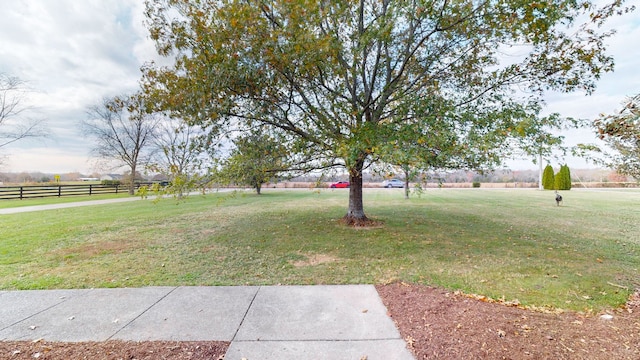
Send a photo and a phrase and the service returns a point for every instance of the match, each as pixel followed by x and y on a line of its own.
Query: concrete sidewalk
pixel 22 209
pixel 261 322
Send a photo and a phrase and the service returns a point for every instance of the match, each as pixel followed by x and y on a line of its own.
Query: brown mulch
pixel 435 323
pixel 114 350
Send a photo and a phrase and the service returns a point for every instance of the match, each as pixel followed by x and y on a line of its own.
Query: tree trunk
pixel 258 187
pixel 132 180
pixel 355 215
pixel 540 170
pixel 406 184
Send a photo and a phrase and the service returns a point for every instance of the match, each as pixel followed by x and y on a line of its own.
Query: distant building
pixel 159 178
pixel 111 177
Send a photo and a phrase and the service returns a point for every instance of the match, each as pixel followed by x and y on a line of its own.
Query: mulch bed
pixel 436 324
pixel 114 350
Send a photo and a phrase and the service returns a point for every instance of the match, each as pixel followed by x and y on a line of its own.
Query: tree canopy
pixel 14 124
pixel 621 131
pixel 123 131
pixel 182 152
pixel 257 158
pixel 341 79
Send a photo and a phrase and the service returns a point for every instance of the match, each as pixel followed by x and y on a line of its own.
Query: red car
pixel 340 184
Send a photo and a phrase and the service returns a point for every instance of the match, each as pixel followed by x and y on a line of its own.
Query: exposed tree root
pixel 360 222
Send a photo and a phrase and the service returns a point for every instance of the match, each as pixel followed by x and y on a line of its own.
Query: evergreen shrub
pixel 548 178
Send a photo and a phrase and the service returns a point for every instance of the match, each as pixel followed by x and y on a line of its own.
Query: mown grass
pixel 510 244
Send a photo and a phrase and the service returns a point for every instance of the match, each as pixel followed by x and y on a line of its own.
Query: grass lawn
pixel 505 244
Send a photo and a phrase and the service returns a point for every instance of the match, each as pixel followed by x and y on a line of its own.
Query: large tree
pixel 341 77
pixel 182 153
pixel 621 131
pixel 123 131
pixel 257 158
pixel 14 124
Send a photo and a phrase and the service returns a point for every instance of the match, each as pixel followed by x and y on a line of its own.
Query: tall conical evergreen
pixel 566 178
pixel 548 178
pixel 562 179
pixel 558 180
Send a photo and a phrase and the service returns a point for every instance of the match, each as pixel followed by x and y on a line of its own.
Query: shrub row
pixel 559 181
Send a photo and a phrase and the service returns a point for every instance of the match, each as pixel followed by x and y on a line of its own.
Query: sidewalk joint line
pixel 233 338
pixel 65 299
pixel 142 313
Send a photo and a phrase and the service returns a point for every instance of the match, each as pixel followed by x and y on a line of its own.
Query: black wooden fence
pixel 25 192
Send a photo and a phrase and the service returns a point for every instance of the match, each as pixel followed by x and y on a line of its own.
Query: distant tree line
pixel 459 176
pixel 39 177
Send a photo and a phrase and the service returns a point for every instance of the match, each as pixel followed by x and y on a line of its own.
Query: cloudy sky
pixel 73 53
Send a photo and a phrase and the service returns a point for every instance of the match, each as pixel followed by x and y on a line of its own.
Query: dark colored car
pixel 340 184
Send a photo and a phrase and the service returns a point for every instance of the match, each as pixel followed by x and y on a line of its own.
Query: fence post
pixel 90 188
pixel 59 190
pixel 20 192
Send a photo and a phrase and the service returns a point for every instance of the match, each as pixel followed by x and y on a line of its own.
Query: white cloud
pixel 72 53
pixel 46 160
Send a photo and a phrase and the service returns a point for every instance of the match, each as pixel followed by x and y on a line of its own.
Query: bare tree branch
pixel 14 124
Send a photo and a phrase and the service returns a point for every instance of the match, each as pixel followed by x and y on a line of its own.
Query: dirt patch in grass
pixel 314 259
pixel 89 250
pixel 437 324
